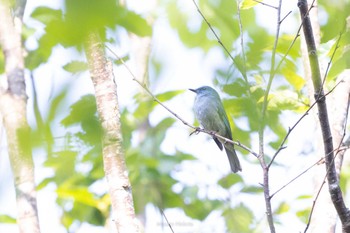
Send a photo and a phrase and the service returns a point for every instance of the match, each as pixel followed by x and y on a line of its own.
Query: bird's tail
pixel 233 159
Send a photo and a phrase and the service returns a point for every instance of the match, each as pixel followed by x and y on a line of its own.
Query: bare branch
pixel 217 37
pixel 242 41
pixel 265 4
pixel 285 16
pixel 293 42
pixel 330 61
pixel 175 114
pixel 314 204
pixel 298 121
pixel 295 178
pixel 166 219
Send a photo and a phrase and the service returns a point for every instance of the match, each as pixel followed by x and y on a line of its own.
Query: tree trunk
pixel 13 104
pixel 113 155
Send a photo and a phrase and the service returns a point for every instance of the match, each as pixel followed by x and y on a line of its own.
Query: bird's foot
pixel 196 131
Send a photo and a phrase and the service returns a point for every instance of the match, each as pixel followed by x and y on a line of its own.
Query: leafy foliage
pixel 74 155
pixel 71 27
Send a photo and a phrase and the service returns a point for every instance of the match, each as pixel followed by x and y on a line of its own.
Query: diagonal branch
pixel 218 39
pixel 298 121
pixel 144 86
pixel 333 183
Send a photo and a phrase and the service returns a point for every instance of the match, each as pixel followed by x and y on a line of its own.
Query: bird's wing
pixel 224 119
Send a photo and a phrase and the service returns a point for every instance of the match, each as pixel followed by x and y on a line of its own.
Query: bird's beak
pixel 194 90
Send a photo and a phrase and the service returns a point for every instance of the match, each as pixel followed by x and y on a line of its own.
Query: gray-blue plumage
pixel 211 114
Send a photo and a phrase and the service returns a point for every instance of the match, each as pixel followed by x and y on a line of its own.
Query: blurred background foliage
pixel 74 152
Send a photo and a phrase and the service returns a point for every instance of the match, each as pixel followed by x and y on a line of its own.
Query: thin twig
pixel 226 140
pixel 166 219
pixel 214 134
pixel 341 148
pixel 213 31
pixel 306 170
pixel 324 181
pixel 318 98
pixel 293 42
pixel 330 61
pixel 295 178
pixel 298 121
pixel 285 16
pixel 314 204
pixel 265 4
pixel 242 42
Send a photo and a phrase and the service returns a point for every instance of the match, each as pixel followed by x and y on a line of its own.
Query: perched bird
pixel 211 114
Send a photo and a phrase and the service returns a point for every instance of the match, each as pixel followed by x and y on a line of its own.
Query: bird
pixel 210 112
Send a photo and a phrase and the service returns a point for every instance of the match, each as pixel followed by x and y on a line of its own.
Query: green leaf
pixel 134 23
pixel 302 197
pixel 238 219
pixel 230 180
pixel 46 14
pixel 294 79
pixel 200 209
pixel 304 215
pixel 168 95
pixel 247 4
pixel 76 67
pixel 238 88
pixel 285 100
pixel 252 189
pixel 79 194
pixel 289 71
pixel 282 208
pixel 7 219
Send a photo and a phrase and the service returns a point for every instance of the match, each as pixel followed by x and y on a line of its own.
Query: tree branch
pixel 217 38
pixel 175 114
pixel 298 121
pixel 333 183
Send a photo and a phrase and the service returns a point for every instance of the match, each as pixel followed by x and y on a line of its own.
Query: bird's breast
pixel 207 113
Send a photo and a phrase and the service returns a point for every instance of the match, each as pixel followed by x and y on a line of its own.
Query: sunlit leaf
pixel 285 100
pixel 282 208
pixel 168 95
pixel 229 180
pixel 200 209
pixel 247 4
pixel 76 67
pixel 6 219
pixel 46 14
pixel 238 219
pixel 79 194
pixel 252 189
pixel 303 215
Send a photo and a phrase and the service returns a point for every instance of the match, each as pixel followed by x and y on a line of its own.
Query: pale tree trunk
pixel 113 154
pixel 13 103
pixel 324 216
